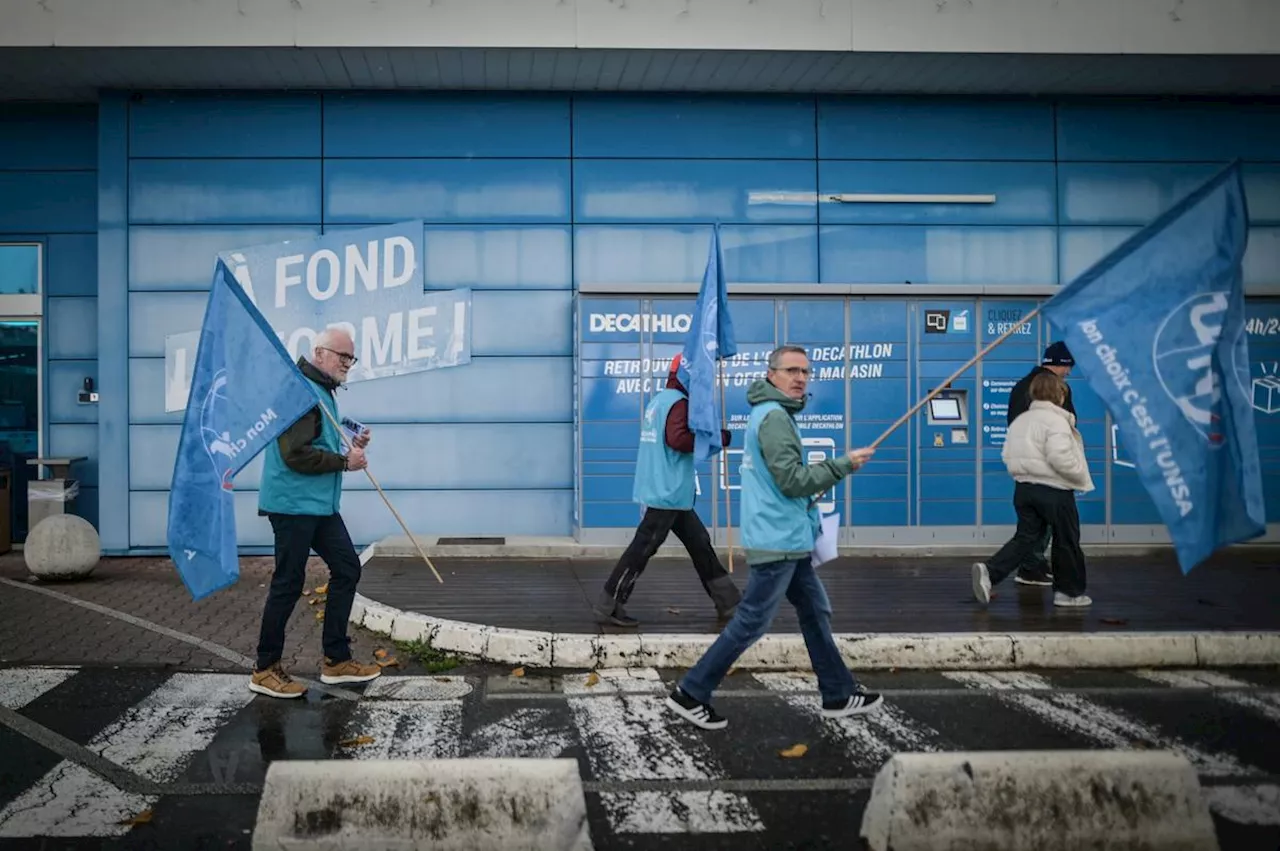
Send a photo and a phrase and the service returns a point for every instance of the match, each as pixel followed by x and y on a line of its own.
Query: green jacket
pixel 783 454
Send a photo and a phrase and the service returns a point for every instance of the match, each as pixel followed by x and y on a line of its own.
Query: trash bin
pixel 47 497
pixel 6 500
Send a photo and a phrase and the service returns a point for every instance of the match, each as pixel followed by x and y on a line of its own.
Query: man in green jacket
pixel 300 494
pixel 780 524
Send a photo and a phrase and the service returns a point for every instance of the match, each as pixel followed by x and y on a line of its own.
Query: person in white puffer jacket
pixel 1044 453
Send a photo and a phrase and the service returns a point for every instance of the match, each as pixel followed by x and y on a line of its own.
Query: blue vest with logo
pixel 664 477
pixel 771 521
pixel 284 491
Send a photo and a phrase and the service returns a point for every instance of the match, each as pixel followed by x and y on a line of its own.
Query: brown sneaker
pixel 274 682
pixel 349 671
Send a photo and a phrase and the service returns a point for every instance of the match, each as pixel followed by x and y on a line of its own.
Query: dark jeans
pixel 654 527
pixel 769 583
pixel 296 535
pixel 1042 508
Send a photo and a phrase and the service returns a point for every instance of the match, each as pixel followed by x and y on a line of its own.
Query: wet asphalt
pixel 650 780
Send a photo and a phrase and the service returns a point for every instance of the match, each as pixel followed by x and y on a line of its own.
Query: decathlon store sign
pixel 652 323
pixel 368 282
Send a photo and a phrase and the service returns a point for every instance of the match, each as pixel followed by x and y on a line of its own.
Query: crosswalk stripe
pixel 1266 704
pixel 1257 805
pixel 631 736
pixel 406 718
pixel 20 686
pixel 869 739
pixel 156 738
pixel 1094 721
pixel 526 733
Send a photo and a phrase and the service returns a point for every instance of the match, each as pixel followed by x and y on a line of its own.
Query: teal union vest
pixel 664 477
pixel 285 492
pixel 771 521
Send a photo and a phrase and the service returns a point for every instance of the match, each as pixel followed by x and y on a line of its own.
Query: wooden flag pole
pixel 724 460
pixel 942 386
pixel 369 473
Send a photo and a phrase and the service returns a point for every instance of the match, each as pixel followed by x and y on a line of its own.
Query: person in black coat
pixel 1058 360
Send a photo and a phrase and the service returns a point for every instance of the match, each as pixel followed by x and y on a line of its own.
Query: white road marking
pixel 615 681
pixel 631 736
pixel 526 733
pixel 1246 804
pixel 156 738
pixel 20 686
pixel 417 688
pixel 1102 724
pixel 869 739
pixel 1265 703
pixel 404 729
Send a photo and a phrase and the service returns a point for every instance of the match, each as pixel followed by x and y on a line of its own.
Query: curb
pixel 400 547
pixel 861 651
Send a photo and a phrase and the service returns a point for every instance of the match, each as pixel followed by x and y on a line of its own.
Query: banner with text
pixel 368 282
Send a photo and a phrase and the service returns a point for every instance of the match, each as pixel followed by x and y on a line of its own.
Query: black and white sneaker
pixel 856 704
pixel 1034 577
pixel 695 712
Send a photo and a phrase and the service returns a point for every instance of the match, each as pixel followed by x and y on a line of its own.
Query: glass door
pixel 21 398
pixel 19 413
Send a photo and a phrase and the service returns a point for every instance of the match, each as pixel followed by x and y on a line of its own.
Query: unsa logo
pixel 1183 355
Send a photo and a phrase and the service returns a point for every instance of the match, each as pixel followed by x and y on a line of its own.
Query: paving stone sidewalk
pixel 37 629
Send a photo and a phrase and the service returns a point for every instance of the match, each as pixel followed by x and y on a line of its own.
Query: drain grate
pixel 469 542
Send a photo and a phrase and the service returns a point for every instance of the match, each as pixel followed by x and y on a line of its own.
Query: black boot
pixel 725 595
pixel 609 610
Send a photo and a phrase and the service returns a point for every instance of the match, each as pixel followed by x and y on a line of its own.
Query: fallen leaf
pixel 306 593
pixel 320 615
pixel 356 742
pixel 592 679
pixel 673 611
pixel 323 589
pixel 794 752
pixel 315 600
pixel 388 663
pixel 380 653
pixel 518 672
pixel 143 817
pixel 1114 621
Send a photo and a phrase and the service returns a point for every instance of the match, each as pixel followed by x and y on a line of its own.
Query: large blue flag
pixel 1158 329
pixel 710 338
pixel 245 391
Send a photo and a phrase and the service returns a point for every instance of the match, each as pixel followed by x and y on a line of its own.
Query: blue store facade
pixel 581 223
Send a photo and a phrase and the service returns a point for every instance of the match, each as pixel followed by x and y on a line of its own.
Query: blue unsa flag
pixel 245 391
pixel 710 338
pixel 1158 329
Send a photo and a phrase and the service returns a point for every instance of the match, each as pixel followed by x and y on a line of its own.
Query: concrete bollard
pixel 472 804
pixel 1042 800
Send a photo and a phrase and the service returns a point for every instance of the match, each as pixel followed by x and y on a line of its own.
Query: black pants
pixel 1035 561
pixel 296 535
pixel 1041 507
pixel 654 527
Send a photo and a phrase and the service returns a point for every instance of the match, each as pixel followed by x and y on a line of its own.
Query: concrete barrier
pixel 472 804
pixel 1046 800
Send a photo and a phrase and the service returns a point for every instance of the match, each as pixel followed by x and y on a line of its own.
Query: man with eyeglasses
pixel 300 494
pixel 780 524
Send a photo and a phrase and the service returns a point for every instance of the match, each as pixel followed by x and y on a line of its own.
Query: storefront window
pixel 19 269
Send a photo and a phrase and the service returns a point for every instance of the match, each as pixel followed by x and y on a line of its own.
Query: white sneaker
pixel 981 583
pixel 1060 599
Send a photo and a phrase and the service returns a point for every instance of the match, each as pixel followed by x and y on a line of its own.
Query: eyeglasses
pixel 793 371
pixel 346 359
